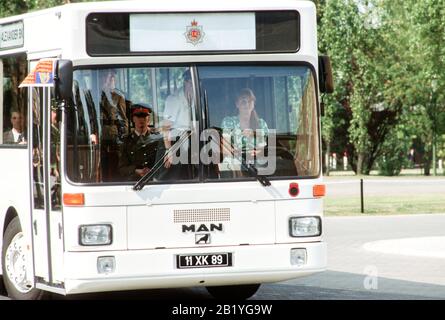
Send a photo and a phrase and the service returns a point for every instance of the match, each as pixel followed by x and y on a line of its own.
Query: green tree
pixel 416 78
pixel 13 7
pixel 352 34
pixel 336 38
pixel 428 18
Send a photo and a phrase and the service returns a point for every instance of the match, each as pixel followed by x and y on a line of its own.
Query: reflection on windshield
pixel 128 124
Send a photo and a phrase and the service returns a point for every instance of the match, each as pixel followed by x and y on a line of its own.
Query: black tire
pixel 2 287
pixel 11 231
pixel 239 292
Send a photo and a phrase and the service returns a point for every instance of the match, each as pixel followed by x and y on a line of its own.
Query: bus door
pixel 46 204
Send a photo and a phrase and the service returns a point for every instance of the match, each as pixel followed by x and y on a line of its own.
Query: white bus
pixel 230 196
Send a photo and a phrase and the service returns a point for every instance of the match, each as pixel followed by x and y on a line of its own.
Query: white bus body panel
pixel 143 269
pixel 57 246
pixel 146 219
pixel 146 238
pixel 154 227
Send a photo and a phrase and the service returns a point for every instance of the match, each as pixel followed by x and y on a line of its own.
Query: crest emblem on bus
pixel 194 33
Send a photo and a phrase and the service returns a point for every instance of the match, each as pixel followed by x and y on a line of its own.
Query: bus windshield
pixel 192 123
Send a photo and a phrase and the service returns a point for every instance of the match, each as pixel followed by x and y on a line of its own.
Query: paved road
pixel 402 274
pixel 357 267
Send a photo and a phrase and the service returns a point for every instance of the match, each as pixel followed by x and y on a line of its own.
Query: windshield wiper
pixel 250 169
pixel 253 172
pixel 160 163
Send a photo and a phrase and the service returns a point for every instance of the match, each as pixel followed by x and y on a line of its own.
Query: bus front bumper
pixel 150 269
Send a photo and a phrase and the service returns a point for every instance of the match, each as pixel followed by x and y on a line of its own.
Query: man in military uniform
pixel 115 124
pixel 139 150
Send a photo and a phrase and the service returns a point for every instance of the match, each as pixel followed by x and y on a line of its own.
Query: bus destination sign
pixel 11 35
pixel 140 33
pixel 192 32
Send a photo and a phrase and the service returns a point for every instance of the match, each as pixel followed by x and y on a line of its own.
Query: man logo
pixel 202 228
pixel 201 238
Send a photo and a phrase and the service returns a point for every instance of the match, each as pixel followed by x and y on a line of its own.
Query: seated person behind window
pixel 138 152
pixel 16 134
pixel 177 115
pixel 115 125
pixel 244 135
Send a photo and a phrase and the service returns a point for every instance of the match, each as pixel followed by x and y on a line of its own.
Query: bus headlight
pixel 305 226
pixel 95 235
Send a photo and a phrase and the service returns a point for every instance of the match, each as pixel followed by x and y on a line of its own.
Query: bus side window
pixel 55 165
pixel 13 108
pixel 37 147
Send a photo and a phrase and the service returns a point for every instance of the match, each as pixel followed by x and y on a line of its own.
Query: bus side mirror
pixel 64 80
pixel 326 80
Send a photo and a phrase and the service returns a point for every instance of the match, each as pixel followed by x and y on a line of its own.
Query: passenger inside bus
pixel 139 150
pixel 244 135
pixel 115 125
pixel 176 126
pixel 16 135
pixel 284 99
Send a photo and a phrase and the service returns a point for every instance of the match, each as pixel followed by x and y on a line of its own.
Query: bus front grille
pixel 201 215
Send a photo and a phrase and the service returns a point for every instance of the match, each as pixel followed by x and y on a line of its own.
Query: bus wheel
pixel 14 264
pixel 240 292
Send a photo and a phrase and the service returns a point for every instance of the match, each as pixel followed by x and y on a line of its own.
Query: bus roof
pixel 58 30
pixel 167 6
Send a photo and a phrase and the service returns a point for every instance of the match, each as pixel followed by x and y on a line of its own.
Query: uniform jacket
pixel 138 152
pixel 114 117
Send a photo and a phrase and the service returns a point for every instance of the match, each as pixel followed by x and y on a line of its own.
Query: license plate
pixel 204 260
